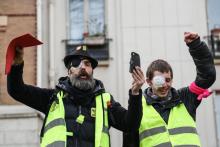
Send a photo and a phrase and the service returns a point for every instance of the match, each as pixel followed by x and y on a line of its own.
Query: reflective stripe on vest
pixel 101 128
pixel 55 131
pixel 180 131
pixel 55 127
pixel 54 123
pixel 57 144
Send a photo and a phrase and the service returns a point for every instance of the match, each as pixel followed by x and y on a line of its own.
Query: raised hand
pixel 19 55
pixel 138 80
pixel 190 37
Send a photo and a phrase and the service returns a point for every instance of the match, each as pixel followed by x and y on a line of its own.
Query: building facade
pixel 17 18
pixel 152 28
pixel 19 125
pixel 114 28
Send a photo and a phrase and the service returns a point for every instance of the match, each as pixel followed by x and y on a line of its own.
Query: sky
pixel 214 13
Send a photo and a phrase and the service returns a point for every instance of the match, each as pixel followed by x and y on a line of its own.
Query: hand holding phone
pixel 134 61
pixel 137 74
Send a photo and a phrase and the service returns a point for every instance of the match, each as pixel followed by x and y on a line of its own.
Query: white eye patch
pixel 158 81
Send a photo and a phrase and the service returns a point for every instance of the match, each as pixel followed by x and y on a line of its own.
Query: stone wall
pixel 19 126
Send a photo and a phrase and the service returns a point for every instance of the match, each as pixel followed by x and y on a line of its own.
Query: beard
pixel 82 84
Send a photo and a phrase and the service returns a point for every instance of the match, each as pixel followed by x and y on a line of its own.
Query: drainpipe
pixel 86 17
pixel 39 47
pixel 51 45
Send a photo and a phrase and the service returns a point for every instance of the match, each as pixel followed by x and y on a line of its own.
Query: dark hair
pixel 158 65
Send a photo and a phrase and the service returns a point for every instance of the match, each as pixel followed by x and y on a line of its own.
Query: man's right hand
pixel 19 56
pixel 138 80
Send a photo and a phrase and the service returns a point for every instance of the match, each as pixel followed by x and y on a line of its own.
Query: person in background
pixel 169 115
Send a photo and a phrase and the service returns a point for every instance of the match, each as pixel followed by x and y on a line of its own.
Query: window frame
pixel 98 45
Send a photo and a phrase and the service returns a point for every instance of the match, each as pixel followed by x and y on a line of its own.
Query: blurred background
pixel 111 29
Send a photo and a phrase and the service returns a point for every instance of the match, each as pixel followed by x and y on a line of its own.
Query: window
pixel 214 26
pixel 87 27
pixel 215 42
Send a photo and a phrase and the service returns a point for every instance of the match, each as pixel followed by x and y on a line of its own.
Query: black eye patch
pixel 74 62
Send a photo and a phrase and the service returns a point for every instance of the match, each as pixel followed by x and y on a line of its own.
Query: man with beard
pixel 78 111
pixel 169 115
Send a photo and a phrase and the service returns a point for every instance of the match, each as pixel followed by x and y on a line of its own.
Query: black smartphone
pixel 134 61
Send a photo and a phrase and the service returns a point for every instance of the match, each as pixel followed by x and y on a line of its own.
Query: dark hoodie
pixel 76 102
pixel 79 102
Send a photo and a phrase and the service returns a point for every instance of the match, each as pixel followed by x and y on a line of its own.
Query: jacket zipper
pixel 79 112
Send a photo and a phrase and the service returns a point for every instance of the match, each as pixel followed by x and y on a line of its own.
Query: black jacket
pixel 76 101
pixel 205 77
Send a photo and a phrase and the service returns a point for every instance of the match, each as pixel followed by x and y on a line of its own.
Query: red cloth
pixel 202 93
pixel 25 40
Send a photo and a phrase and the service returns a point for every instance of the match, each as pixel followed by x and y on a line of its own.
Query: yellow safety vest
pixel 179 132
pixel 55 131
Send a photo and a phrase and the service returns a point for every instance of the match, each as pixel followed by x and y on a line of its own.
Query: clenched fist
pixel 190 37
pixel 19 54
